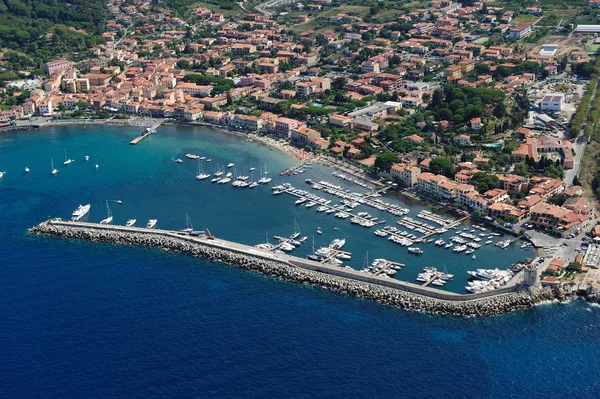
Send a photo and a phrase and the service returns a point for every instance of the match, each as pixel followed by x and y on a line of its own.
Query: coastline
pixel 306 272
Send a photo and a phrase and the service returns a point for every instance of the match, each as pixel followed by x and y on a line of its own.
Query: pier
pixel 432 279
pixel 386 265
pixel 299 165
pixel 148 132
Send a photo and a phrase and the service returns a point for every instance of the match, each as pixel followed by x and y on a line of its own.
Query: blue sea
pixel 81 319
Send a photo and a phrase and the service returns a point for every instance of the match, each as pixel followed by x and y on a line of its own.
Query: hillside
pixel 42 29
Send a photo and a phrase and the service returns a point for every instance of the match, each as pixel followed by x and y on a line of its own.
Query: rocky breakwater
pixel 283 270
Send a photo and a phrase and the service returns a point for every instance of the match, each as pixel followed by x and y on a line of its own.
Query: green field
pixel 360 11
pixel 525 19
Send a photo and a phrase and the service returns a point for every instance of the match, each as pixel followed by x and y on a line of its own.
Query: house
pixel 415 139
pixel 552 102
pixel 53 67
pixel 284 126
pixel 476 123
pixel 462 140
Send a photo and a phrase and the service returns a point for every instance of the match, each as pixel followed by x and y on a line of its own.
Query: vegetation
pixel 43 29
pixel 441 166
pixel 460 104
pixel 220 84
pixel 384 161
pixel 484 182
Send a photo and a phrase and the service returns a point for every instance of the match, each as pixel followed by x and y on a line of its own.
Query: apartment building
pixel 405 174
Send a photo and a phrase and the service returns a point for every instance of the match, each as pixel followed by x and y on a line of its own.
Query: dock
pixel 432 279
pixel 333 254
pixel 147 133
pixel 386 265
pixel 293 168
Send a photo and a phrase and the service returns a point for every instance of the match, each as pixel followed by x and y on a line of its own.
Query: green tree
pixel 484 182
pixel 384 161
pixel 441 166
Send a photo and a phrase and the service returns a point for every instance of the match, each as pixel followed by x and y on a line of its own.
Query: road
pixel 578 147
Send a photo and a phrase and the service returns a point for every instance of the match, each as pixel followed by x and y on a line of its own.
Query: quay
pixel 147 133
pixel 387 264
pixel 523 293
pixel 432 279
pixel 299 165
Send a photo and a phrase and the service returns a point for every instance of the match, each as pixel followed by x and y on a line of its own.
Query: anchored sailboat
pixel 109 218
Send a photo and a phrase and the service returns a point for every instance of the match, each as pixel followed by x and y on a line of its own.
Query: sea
pixel 81 319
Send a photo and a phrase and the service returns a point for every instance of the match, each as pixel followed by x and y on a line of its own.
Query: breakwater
pixel 391 292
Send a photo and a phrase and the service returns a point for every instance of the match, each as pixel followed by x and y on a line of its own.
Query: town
pixel 487 109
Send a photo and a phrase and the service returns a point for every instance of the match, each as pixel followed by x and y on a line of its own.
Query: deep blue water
pixel 95 320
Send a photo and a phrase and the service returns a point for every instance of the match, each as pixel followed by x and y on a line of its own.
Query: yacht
pixel 338 243
pixel 488 242
pixel 67 160
pixel 415 250
pixel 253 184
pixel 460 248
pixel 343 256
pixel 178 160
pixel 2 174
pixel 26 170
pixel 301 201
pixel 215 179
pixel 230 165
pixel 311 204
pixel 54 170
pixel 192 156
pixel 224 180
pixel 80 212
pixel 109 217
pixel 130 222
pixel 151 223
pixel 87 157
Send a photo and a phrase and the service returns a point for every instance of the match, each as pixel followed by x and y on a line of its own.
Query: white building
pixel 552 102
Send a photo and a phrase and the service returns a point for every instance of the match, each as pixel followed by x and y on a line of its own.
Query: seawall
pixel 388 291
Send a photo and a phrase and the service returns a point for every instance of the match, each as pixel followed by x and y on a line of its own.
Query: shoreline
pixel 397 294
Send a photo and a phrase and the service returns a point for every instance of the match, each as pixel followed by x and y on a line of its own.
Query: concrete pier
pixel 147 133
pixel 385 290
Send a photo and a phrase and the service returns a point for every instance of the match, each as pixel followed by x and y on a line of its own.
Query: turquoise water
pixel 80 319
pixel 152 186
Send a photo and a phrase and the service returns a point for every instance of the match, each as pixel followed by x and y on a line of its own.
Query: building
pixel 53 67
pixel 552 102
pixel 405 174
pixel 79 85
pixel 462 139
pixel 591 29
pixel 558 220
pixel 519 31
pixel 305 136
pixel 284 126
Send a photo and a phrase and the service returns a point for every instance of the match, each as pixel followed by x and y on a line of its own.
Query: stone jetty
pixel 271 265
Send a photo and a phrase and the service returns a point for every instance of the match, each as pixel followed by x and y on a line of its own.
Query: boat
pixel 96 166
pixel 201 173
pixel 296 233
pixel 415 250
pixel 55 171
pixel 151 223
pixel 469 251
pixel 301 201
pixel 338 243
pixel 192 156
pixel 87 157
pixel 449 245
pixel 188 225
pixel 2 174
pixel 253 184
pixel 26 170
pixel 67 160
pixel 130 222
pixel 319 230
pixel 209 160
pixel 343 256
pixel 178 160
pixel 230 165
pixel 311 204
pixel 109 217
pixel 488 242
pixel 80 212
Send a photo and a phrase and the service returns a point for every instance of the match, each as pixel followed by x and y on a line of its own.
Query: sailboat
pixel 252 168
pixel 109 218
pixel 54 171
pixel 201 174
pixel 188 225
pixel 296 230
pixel 266 179
pixel 67 160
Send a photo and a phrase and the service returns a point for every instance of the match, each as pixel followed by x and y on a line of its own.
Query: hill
pixel 43 29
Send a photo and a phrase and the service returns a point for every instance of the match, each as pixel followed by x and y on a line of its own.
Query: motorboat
pixel 178 160
pixel 415 250
pixel 130 222
pixel 319 231
pixel 338 243
pixel 192 156
pixel 224 180
pixel 80 212
pixel 230 165
pixel 87 158
pixel 300 201
pixel 253 184
pixel 26 170
pixel 151 223
pixel 2 174
pixel 311 204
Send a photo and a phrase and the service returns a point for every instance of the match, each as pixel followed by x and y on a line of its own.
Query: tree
pixel 81 104
pixel 441 166
pixel 521 169
pixel 384 161
pixel 484 182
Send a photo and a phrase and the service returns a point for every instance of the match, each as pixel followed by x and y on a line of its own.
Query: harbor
pixel 392 292
pixel 146 132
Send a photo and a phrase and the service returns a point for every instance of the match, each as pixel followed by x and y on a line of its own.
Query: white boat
pixel 488 242
pixel 96 166
pixel 253 184
pixel 109 217
pixel 178 160
pixel 225 180
pixel 230 165
pixel 343 256
pixel 26 170
pixel 252 169
pixel 201 174
pixel 415 250
pixel 80 212
pixel 130 222
pixel 192 156
pixel 209 160
pixel 311 204
pixel 338 243
pixel 87 157
pixel 67 160
pixel 151 223
pixel 2 174
pixel 54 170
pixel 319 231
pixel 300 201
